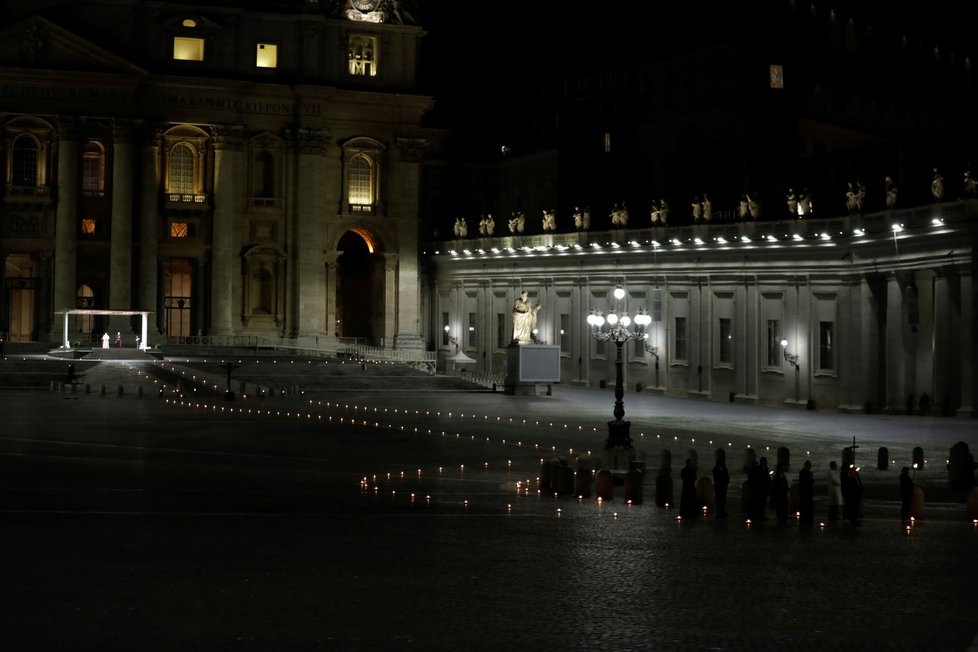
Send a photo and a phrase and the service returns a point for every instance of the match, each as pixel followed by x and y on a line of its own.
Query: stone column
pixel 4 312
pixel 945 360
pixel 969 353
pixel 224 263
pixel 922 379
pixel 150 271
pixel 405 192
pixel 871 351
pixel 896 388
pixel 66 222
pixel 332 275
pixel 310 279
pixel 120 252
pixel 390 298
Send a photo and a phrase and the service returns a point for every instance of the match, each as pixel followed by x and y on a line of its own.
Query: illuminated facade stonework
pixel 246 171
pixel 879 308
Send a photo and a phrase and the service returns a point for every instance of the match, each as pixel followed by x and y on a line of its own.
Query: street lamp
pixel 618 333
pixel 792 359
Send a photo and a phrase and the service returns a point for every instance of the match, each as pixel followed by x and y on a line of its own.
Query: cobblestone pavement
pixel 341 523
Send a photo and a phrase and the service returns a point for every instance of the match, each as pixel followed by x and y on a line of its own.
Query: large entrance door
pixel 18 296
pixel 360 289
pixel 176 298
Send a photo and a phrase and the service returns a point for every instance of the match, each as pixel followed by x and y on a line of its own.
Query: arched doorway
pixel 360 287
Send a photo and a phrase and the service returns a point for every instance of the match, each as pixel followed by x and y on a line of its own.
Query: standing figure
pixel 906 493
pixel 118 340
pixel 578 219
pixel 654 214
pixel 743 209
pixel 806 494
pixel 697 210
pixel 804 203
pixel 721 481
pixel 105 340
pixel 792 200
pixel 937 186
pixel 891 192
pixel 687 501
pixel 524 319
pixel 834 483
pixel 663 212
pixel 482 226
pixel 707 208
pixel 490 225
pixel 586 218
pixel 850 198
pixel 780 491
pixel 512 224
pixel 852 494
pixel 970 184
pixel 753 207
pixel 758 489
pixel 520 222
pixel 549 223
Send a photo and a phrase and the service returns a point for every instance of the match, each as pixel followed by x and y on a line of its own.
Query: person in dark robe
pixel 806 494
pixel 688 506
pixel 780 491
pixel 721 480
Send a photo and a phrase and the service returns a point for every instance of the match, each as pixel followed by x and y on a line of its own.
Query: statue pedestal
pixel 530 368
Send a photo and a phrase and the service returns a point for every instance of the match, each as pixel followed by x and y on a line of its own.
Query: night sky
pixel 477 57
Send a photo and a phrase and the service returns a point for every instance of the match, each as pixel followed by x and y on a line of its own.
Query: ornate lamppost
pixel 792 359
pixel 618 322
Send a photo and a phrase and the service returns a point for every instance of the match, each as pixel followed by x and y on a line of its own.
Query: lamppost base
pixel 618 434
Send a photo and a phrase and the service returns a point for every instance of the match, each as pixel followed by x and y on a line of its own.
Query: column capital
pixel 123 130
pixel 309 141
pixel 69 127
pixel 411 149
pixel 227 137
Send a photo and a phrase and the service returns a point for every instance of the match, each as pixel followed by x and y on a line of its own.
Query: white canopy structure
pixel 119 313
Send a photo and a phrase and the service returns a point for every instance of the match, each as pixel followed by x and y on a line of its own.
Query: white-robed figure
pixel 105 340
pixel 524 319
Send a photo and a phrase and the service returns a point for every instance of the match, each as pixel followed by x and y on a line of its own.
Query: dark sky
pixel 475 53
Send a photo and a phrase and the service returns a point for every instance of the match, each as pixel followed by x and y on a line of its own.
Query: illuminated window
pixel 267 55
pixel 85 300
pixel 360 180
pixel 363 56
pixel 182 160
pixel 188 48
pixel 93 170
pixel 25 162
pixel 189 22
pixel 444 329
pixel 472 340
pixel 179 230
pixel 88 226
pixel 607 142
pixel 777 76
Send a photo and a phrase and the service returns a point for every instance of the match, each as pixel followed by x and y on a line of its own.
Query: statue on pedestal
pixel 524 319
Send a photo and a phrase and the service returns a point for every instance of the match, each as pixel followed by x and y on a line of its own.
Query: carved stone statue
pixel 578 219
pixel 707 208
pixel 549 221
pixel 697 210
pixel 490 225
pixel 937 186
pixel 792 201
pixel 461 228
pixel 524 319
pixel 891 192
pixel 970 184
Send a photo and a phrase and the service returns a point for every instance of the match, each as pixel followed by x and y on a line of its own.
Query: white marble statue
pixel 524 319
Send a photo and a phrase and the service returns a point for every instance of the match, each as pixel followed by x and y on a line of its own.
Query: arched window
pixel 25 162
pixel 93 169
pixel 361 180
pixel 182 161
pixel 362 169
